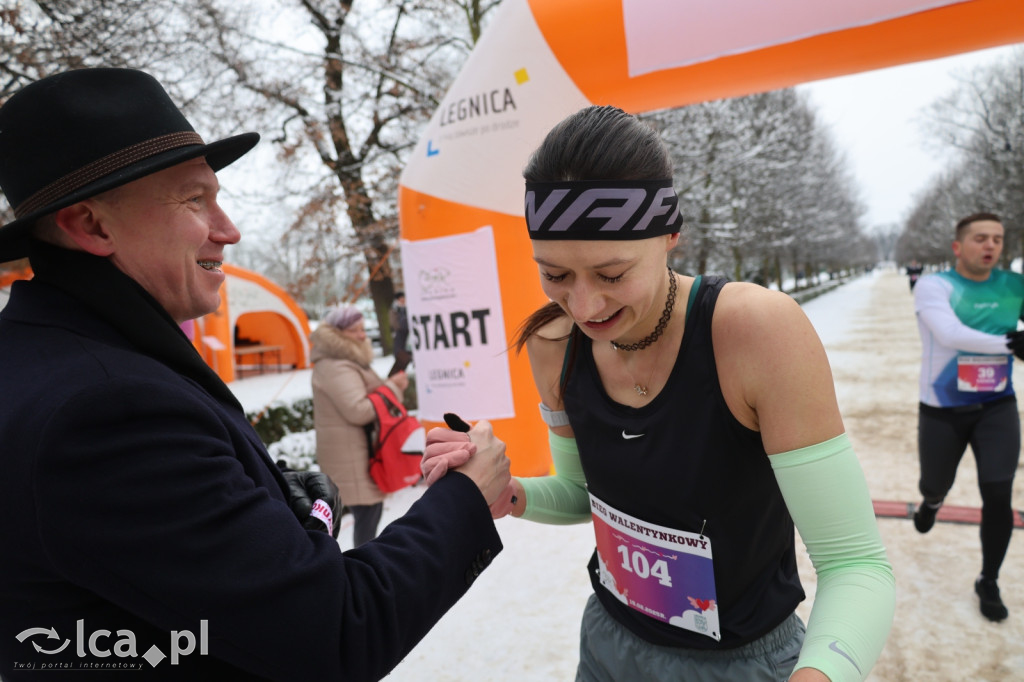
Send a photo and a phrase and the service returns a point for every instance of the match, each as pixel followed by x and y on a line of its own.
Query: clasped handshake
pixel 475 452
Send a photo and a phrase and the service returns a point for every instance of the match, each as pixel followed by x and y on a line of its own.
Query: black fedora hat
pixel 73 135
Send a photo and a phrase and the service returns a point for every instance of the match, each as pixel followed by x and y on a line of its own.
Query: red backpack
pixel 390 468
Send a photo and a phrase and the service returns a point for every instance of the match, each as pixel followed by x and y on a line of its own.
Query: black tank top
pixel 695 469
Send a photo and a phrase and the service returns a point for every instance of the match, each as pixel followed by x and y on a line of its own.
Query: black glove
pixel 309 488
pixel 1015 342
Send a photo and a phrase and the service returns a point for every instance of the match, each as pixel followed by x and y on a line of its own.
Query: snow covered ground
pixel 520 620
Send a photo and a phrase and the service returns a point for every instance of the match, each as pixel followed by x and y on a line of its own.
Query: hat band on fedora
pixel 101 167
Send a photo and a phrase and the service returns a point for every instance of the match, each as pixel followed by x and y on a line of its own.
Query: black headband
pixel 602 209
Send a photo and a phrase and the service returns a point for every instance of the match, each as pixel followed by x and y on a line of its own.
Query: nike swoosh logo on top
pixel 628 436
pixel 834 646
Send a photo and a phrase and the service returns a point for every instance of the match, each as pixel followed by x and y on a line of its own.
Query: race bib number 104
pixel 664 573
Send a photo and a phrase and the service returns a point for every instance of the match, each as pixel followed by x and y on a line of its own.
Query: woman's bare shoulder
pixel 546 349
pixel 556 330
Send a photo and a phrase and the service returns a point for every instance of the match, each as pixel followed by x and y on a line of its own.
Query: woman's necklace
pixel 666 314
pixel 641 389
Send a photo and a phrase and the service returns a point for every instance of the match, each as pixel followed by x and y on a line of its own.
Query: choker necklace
pixel 666 314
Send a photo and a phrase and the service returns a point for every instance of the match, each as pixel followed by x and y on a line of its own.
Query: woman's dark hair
pixel 548 312
pixel 600 143
pixel 595 143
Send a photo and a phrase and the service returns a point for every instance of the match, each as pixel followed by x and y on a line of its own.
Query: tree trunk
pixel 382 291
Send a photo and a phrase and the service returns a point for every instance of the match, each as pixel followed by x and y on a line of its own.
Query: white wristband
pixel 553 417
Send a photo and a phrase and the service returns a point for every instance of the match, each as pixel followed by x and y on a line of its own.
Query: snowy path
pixel 939 635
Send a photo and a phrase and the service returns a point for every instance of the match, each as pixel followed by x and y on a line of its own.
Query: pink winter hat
pixel 343 317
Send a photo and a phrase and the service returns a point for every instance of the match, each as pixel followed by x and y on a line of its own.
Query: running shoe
pixel 924 516
pixel 992 606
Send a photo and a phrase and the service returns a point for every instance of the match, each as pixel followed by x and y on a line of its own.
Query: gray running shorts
pixel 609 652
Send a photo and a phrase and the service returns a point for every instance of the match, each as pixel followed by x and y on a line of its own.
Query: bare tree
pixel 346 87
pixel 47 36
pixel 476 12
pixel 887 238
pixel 42 37
pixel 340 89
pixel 762 187
pixel 928 231
pixel 982 121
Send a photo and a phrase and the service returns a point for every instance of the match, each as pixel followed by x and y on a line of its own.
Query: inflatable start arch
pixel 469 279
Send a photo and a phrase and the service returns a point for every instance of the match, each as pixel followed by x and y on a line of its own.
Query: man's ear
pixel 83 224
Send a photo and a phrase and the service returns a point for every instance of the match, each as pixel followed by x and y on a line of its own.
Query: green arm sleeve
pixel 827 496
pixel 561 499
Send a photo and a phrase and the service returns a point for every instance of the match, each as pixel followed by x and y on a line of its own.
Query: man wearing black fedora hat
pixel 142 523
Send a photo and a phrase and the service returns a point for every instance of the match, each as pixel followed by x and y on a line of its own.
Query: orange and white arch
pixel 461 194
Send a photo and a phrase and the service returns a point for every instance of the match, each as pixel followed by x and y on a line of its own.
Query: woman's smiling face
pixel 613 290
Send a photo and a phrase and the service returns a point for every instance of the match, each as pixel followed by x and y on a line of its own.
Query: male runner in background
pixel 968 323
pixel 914 270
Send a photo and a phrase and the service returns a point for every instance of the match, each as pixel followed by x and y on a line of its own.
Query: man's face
pixel 169 235
pixel 978 249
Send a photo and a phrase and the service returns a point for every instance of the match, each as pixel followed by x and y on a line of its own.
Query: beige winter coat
pixel 342 376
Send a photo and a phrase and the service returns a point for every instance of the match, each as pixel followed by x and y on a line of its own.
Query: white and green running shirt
pixel 963 327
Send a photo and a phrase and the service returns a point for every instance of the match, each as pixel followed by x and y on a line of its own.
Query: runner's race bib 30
pixel 664 573
pixel 982 373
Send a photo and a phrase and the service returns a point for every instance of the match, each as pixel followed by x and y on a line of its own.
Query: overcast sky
pixel 875 117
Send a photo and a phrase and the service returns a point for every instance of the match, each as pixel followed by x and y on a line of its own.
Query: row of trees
pixel 763 189
pixel 982 123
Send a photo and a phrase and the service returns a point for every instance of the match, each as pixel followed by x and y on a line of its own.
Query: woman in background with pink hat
pixel 342 376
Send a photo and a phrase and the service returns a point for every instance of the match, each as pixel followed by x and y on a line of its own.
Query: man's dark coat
pixel 136 501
